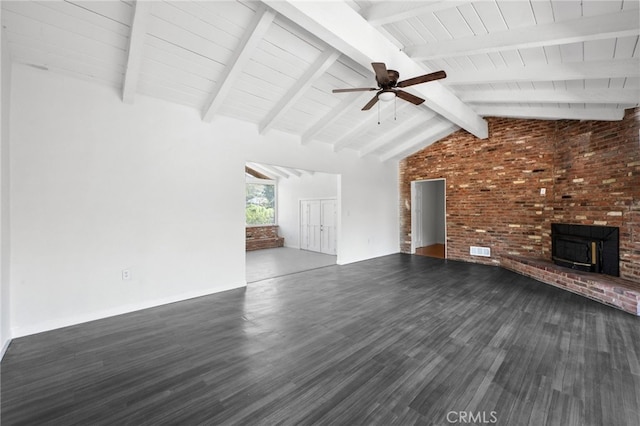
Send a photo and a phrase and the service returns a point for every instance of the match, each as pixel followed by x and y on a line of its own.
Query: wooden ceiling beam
pixel 268 171
pixel 320 65
pixel 361 127
pixel 600 114
pixel 141 16
pixel 255 32
pixel 348 103
pixel 255 173
pixel 586 96
pixel 289 171
pixel 408 128
pixel 338 25
pixel 619 24
pixel 436 132
pixel 614 68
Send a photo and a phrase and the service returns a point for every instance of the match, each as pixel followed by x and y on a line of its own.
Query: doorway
pixel 428 218
pixel 318 225
pixel 291 186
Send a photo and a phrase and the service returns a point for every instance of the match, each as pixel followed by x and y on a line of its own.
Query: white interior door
pixel 328 226
pixel 310 225
pixel 304 225
pixel 318 228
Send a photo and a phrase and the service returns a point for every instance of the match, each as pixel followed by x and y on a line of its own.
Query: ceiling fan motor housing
pixel 392 81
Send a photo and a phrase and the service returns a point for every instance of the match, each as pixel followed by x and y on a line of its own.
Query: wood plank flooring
pixel 397 340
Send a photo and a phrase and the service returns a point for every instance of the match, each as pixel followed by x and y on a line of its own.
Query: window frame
pixel 274 183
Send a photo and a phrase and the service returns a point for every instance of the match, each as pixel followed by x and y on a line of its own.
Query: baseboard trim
pixel 120 310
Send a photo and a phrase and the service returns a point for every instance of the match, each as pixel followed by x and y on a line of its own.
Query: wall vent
pixel 480 251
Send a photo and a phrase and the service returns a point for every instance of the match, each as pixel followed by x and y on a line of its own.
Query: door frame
pixel 414 219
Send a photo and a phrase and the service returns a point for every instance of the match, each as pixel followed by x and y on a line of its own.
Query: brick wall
pixel 590 170
pixel 262 237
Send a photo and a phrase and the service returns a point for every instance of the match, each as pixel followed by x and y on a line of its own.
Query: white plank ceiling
pixel 275 63
pixel 269 171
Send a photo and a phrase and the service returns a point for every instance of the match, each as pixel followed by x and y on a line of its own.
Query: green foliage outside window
pixel 260 204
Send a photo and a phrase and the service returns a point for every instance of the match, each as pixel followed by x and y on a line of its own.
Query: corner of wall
pixel 5 95
pixel 3 349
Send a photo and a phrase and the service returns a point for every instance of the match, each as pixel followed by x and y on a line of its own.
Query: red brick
pixel 599 287
pixel 263 237
pixel 571 159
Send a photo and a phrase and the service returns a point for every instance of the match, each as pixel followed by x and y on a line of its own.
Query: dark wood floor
pixel 395 340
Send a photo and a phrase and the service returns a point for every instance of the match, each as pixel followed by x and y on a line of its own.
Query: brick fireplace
pixel 589 170
pixel 588 248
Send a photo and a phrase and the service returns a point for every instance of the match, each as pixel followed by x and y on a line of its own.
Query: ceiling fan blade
pixel 422 79
pixel 409 97
pixel 356 89
pixel 382 75
pixel 371 103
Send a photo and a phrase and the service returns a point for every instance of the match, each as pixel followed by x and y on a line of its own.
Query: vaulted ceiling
pixel 268 171
pixel 275 63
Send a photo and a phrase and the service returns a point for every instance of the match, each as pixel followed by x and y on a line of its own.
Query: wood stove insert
pixel 586 248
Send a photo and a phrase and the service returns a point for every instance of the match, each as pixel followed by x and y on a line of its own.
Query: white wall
pixel 440 213
pixel 433 212
pixel 98 186
pixel 294 189
pixel 5 95
pixel 429 218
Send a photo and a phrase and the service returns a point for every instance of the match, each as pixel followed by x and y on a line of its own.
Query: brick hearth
pixel 613 291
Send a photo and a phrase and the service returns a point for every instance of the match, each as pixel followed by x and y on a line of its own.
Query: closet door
pixel 318 230
pixel 310 225
pixel 328 226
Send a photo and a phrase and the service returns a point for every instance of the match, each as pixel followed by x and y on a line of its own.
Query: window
pixel 260 207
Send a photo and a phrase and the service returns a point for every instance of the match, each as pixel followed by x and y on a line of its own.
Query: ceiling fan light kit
pixel 388 85
pixel 386 96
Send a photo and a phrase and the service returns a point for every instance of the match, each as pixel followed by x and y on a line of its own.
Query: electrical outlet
pixel 543 191
pixel 126 274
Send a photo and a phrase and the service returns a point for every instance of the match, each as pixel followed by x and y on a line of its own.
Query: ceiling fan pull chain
pixel 395 108
pixel 378 114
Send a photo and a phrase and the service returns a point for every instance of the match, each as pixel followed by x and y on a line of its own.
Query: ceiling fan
pixel 388 85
